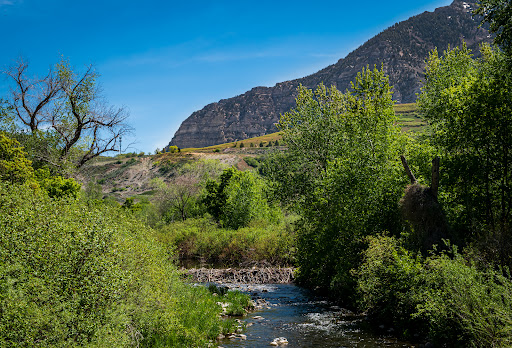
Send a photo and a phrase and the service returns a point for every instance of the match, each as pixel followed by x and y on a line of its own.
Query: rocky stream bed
pixel 287 315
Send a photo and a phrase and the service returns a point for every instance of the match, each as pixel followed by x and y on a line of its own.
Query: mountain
pixel 402 49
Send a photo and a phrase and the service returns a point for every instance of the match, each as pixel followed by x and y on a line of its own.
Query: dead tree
pixel 421 209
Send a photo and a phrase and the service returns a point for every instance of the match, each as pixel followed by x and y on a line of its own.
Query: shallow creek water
pixel 305 320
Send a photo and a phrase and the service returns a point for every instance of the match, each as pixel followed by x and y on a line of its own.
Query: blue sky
pixel 163 60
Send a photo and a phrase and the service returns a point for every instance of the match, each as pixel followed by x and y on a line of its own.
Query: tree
pixel 215 197
pixel 7 118
pixel 245 200
pixel 498 13
pixel 181 194
pixel 468 103
pixel 68 120
pixel 172 149
pixel 237 198
pixel 341 171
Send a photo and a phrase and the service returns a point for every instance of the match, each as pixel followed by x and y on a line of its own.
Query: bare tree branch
pixel 70 106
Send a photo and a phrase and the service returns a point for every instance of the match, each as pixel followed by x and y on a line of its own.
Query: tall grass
pixel 202 238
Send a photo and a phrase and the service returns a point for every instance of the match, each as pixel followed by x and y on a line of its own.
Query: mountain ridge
pixel 402 50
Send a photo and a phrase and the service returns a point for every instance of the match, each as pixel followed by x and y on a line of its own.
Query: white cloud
pixel 9 2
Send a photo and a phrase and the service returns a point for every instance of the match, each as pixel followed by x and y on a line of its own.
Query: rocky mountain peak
pixel 402 49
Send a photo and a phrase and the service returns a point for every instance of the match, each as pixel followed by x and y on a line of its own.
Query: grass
pixel 247 143
pixel 409 119
pixel 201 238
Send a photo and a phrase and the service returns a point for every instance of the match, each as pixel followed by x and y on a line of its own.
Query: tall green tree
pixel 468 103
pixel 341 170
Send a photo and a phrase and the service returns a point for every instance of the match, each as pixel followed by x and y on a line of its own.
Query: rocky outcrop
pixel 402 49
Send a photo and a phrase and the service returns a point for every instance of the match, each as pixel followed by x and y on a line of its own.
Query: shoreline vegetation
pixel 412 229
pixel 85 274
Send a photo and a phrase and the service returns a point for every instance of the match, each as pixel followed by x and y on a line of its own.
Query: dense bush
pixel 75 273
pixel 14 166
pixel 443 296
pixel 203 239
pixel 253 162
pixel 56 186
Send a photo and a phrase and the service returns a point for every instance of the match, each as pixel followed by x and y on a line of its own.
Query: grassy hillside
pixel 409 118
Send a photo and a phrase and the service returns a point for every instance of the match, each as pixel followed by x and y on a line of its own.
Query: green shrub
pixel 388 281
pixel 465 305
pixel 238 198
pixel 76 273
pixel 253 162
pixel 246 201
pixel 203 239
pixel 14 166
pixel 56 186
pixel 443 296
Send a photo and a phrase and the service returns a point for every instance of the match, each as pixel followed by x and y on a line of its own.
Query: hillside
pixel 130 175
pixel 402 49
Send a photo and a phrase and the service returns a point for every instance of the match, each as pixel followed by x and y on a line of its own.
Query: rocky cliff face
pixel 402 49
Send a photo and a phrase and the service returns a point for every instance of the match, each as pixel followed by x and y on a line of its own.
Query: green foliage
pixel 7 118
pixel 238 198
pixel 253 162
pixel 56 186
pixel 498 14
pixel 468 103
pixel 93 191
pixel 239 303
pixel 14 166
pixel 246 201
pixel 341 171
pixel 81 274
pixel 442 296
pixel 181 198
pixel 202 238
pixel 388 283
pixel 215 195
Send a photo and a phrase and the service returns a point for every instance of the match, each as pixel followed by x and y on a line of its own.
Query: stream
pixel 305 320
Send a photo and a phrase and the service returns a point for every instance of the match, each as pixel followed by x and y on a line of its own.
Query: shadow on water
pixel 305 320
